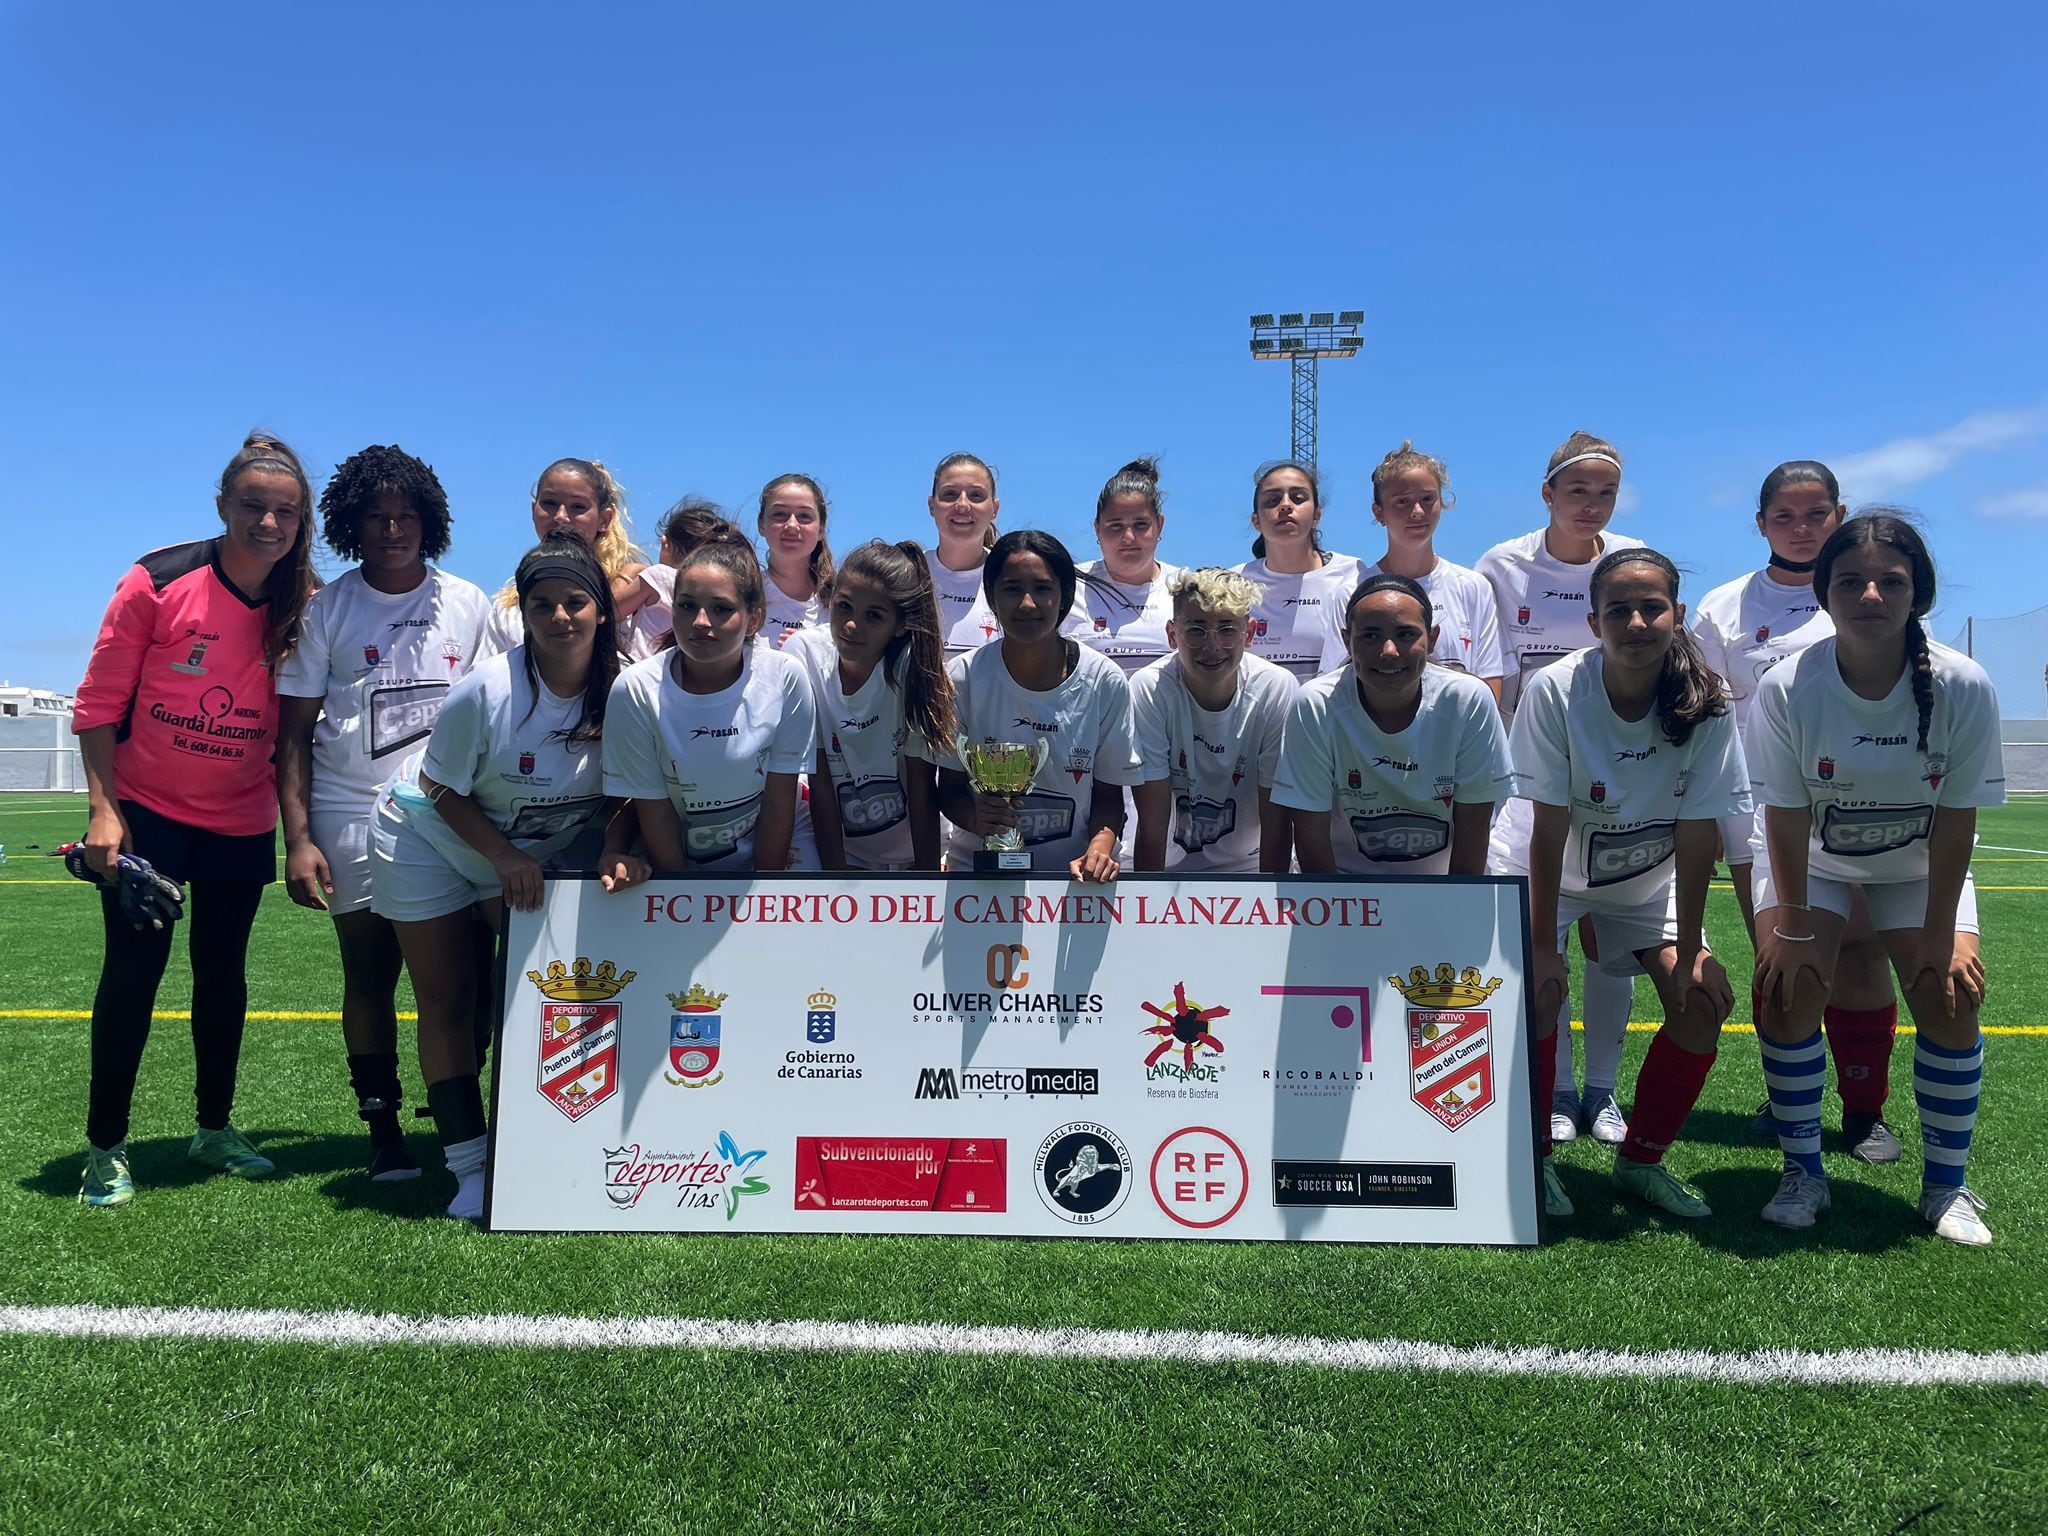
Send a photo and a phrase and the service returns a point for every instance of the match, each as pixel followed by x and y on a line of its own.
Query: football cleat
pixel 1658 1186
pixel 1605 1122
pixel 1954 1209
pixel 1555 1201
pixel 228 1150
pixel 1870 1140
pixel 1564 1119
pixel 1799 1201
pixel 105 1180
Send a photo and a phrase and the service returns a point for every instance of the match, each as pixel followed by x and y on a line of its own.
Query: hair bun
pixel 1146 468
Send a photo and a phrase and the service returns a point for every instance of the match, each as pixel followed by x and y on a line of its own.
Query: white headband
pixel 1580 458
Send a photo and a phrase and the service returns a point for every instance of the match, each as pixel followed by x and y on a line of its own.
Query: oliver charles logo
pixel 1450 1041
pixel 579 1033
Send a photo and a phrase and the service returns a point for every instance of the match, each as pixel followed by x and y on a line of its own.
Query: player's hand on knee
pixel 1707 977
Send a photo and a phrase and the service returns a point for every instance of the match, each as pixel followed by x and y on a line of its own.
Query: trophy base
pixel 1002 861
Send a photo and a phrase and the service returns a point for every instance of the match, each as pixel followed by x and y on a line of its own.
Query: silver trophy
pixel 1009 769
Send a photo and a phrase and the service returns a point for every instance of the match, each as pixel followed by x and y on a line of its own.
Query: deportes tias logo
pixel 1083 1172
pixel 1183 1065
pixel 579 1033
pixel 1450 1041
pixel 693 1036
pixel 1007 1082
pixel 702 1181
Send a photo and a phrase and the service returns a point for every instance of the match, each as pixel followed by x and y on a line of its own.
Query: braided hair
pixel 1884 525
pixel 1688 690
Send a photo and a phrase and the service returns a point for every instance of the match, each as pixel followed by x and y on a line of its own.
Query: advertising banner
pixel 1230 1057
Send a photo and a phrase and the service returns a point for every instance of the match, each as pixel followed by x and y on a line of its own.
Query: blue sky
pixel 708 248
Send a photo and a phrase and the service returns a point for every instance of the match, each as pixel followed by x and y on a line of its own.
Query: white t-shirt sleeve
pixel 304 673
pixel 1148 717
pixel 1706 634
pixel 461 736
pixel 796 738
pixel 1483 772
pixel 1718 785
pixel 1487 657
pixel 1116 758
pixel 1976 760
pixel 1269 730
pixel 1305 778
pixel 632 740
pixel 1539 745
pixel 1775 772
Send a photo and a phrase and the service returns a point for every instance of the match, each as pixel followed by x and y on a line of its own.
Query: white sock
pixel 1606 1000
pixel 466 1162
pixel 1565 1080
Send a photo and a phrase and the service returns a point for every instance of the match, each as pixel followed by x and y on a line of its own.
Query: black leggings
pixel 219 915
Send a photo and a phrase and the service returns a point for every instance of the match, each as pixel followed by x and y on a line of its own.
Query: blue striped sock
pixel 1797 1076
pixel 1945 1086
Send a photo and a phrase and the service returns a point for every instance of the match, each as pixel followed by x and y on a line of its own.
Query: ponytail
pixel 1920 661
pixel 292 581
pixel 1688 690
pixel 916 651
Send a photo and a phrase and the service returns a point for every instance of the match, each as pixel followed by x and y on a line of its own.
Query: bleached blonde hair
pixel 1214 590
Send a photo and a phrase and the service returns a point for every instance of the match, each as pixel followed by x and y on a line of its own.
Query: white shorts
pixel 1894 905
pixel 1507 839
pixel 343 838
pixel 1740 836
pixel 1621 933
pixel 414 878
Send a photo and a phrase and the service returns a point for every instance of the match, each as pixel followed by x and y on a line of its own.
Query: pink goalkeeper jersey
pixel 179 667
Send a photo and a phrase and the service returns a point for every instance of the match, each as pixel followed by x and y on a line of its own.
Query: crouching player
pixel 1391 765
pixel 1208 723
pixel 1873 751
pixel 1628 756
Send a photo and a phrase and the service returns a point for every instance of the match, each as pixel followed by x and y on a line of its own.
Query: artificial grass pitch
pixel 112 1436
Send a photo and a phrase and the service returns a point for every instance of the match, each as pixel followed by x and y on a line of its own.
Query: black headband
pixel 533 572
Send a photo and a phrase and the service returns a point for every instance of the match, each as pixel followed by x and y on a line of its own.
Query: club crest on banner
pixel 1450 1041
pixel 693 1030
pixel 579 1033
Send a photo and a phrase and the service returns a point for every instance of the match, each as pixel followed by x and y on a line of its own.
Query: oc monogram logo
pixel 1006 966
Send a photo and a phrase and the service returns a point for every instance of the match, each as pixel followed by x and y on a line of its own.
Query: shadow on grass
pixel 1864 1219
pixel 338 1162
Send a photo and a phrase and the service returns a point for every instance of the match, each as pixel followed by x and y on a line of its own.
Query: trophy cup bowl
pixel 1006 768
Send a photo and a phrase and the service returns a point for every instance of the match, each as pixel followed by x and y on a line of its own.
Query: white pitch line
pixel 1848 1367
pixel 1999 848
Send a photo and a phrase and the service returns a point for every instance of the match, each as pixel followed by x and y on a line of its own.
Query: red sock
pixel 1861 1040
pixel 1544 1081
pixel 1666 1090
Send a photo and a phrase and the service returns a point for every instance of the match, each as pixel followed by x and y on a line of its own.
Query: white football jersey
pixel 1748 626
pixel 1216 761
pixel 1627 786
pixel 709 754
pixel 1127 624
pixel 966 622
pixel 1296 618
pixel 1856 761
pixel 1390 794
pixel 863 736
pixel 1086 725
pixel 786 614
pixel 1468 622
pixel 1542 604
pixel 382 663
pixel 507 748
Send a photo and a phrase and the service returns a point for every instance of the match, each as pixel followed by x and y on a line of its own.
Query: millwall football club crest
pixel 693 1031
pixel 579 1034
pixel 1450 1042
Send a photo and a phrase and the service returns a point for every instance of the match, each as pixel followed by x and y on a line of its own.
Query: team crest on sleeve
pixel 526 762
pixel 1825 767
pixel 1937 770
pixel 370 655
pixel 1450 1041
pixel 1101 624
pixel 1763 633
pixel 1597 791
pixel 1522 614
pixel 1446 788
pixel 693 1031
pixel 452 654
pixel 579 1033
pixel 1354 779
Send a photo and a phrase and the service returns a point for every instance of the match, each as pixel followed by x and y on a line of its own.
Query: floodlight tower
pixel 1304 339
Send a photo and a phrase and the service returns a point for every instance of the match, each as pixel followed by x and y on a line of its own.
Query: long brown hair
pixel 821 557
pixel 292 581
pixel 901 571
pixel 1688 690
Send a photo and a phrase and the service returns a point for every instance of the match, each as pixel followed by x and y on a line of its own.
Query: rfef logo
pixel 1199 1177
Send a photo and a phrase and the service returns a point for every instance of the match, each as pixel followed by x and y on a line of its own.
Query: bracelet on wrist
pixel 1792 938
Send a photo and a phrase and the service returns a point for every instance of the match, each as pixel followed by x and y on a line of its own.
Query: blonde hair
pixel 1214 590
pixel 1406 457
pixel 614 549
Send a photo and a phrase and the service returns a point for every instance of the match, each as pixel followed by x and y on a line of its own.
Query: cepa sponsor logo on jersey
pixel 1621 853
pixel 1199 823
pixel 1044 818
pixel 1861 832
pixel 871 806
pixel 1395 836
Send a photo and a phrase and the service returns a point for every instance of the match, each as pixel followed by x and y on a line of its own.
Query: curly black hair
pixel 361 478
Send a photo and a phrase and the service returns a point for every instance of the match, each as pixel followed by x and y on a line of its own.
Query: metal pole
pixel 1970 636
pixel 1303 445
